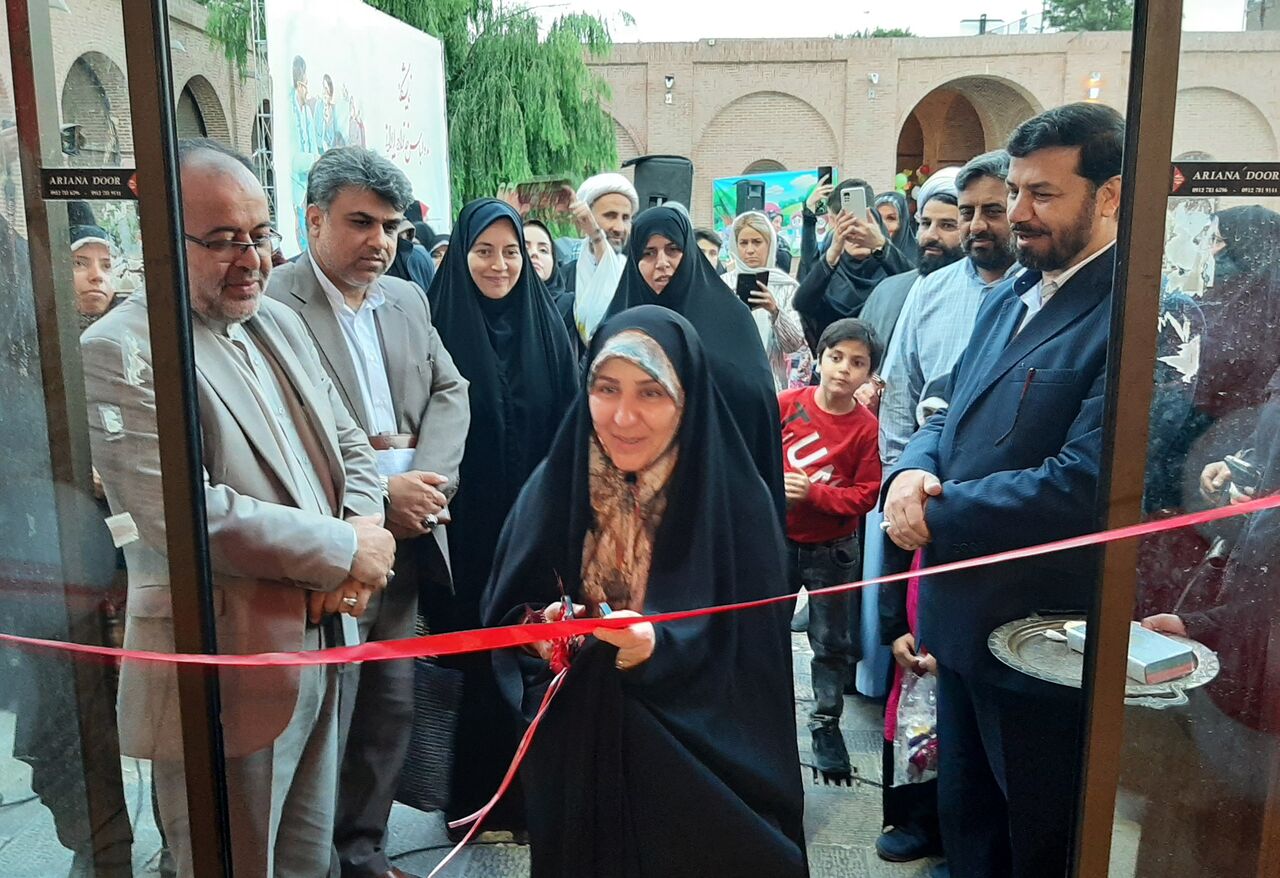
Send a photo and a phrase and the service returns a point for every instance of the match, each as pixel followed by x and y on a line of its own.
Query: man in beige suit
pixel 294 513
pixel 386 360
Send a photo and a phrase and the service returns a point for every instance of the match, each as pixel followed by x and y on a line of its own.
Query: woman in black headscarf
pixel 499 324
pixel 1240 351
pixel 662 270
pixel 856 255
pixel 670 750
pixel 542 255
pixel 893 210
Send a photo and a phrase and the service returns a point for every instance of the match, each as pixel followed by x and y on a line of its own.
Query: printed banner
pixel 784 196
pixel 345 74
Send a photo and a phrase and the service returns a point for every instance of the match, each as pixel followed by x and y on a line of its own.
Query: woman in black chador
pixel 658 273
pixel 671 749
pixel 498 322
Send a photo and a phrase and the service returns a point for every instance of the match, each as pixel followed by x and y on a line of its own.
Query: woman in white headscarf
pixel 753 248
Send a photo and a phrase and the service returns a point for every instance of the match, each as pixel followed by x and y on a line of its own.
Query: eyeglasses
pixel 235 249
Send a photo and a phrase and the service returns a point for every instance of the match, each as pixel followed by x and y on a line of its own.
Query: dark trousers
pixel 820 565
pixel 375 723
pixel 1008 764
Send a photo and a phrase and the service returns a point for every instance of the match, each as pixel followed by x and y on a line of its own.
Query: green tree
pixel 520 104
pixel 1078 15
pixel 876 33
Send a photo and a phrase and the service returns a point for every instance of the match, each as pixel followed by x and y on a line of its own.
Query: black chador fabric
pixel 685 765
pixel 561 295
pixel 728 333
pixel 516 354
pixel 829 294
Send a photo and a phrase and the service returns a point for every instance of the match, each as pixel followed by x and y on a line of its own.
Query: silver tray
pixel 1021 645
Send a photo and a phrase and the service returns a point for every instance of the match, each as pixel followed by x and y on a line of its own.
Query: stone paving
pixel 841 823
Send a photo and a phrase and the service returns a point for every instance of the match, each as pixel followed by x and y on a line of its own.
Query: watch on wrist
pixel 385 484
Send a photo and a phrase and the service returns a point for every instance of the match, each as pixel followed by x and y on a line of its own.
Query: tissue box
pixel 1153 658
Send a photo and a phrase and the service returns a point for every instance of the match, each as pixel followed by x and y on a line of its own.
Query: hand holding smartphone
pixel 747 285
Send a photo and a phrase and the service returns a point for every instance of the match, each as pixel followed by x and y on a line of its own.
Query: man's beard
pixel 1064 245
pixel 998 258
pixel 928 263
pixel 619 246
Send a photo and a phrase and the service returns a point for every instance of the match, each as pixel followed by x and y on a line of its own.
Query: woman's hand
pixel 819 194
pixel 762 297
pixel 1213 478
pixel 552 613
pixel 865 234
pixel 843 228
pixel 1165 623
pixel 635 642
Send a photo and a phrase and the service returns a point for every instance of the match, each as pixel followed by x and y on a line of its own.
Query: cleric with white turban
pixel 603 211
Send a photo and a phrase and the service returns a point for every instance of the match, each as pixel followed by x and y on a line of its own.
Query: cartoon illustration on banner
pixel 325 98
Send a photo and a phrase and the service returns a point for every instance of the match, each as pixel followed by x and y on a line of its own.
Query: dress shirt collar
pixel 374 297
pixel 971 271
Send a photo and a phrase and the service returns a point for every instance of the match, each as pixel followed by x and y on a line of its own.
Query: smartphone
pixel 747 282
pixel 545 193
pixel 854 199
pixel 824 173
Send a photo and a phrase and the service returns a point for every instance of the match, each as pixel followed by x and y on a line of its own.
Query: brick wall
pixel 810 102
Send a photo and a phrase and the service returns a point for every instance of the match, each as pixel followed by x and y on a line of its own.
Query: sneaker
pixel 904 845
pixel 830 756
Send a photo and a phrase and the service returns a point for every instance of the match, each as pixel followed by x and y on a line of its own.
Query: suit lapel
pixel 300 383
pixel 317 314
pixel 393 332
pixel 214 361
pixel 1078 297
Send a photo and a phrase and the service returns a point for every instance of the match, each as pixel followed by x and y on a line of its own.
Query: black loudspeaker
pixel 662 178
pixel 750 196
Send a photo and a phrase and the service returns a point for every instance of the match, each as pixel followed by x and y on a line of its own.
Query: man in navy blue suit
pixel 1014 462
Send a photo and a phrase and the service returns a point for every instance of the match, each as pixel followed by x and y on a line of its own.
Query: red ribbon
pixel 486 639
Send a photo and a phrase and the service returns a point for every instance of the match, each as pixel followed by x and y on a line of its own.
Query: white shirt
pixel 594 286
pixel 365 347
pixel 1039 295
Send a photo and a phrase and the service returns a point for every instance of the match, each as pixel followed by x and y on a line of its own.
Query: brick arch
pixel 962 117
pixel 1224 124
pixel 212 117
pixel 764 166
pixel 95 96
pixel 628 143
pixel 785 128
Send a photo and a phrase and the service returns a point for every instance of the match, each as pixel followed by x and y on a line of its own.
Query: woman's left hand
pixel 635 642
pixel 762 297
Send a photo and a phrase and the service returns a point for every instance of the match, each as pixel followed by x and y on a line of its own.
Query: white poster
pixel 343 73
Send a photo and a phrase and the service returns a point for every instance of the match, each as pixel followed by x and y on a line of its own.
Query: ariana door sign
pixel 1225 178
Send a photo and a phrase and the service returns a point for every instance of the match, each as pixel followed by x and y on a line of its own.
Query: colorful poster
pixel 326 93
pixel 784 196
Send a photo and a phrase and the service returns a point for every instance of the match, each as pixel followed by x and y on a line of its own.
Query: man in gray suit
pixel 386 360
pixel 295 515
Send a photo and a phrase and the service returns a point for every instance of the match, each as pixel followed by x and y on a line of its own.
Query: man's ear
pixel 313 218
pixel 1109 198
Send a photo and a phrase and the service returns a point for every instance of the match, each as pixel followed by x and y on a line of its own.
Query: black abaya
pixel 728 333
pixel 516 355
pixel 685 765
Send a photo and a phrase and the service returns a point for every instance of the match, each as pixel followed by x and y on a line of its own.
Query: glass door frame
pixel 1148 146
pixel 151 98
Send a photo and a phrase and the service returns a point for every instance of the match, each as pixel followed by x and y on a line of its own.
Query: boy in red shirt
pixel 831 462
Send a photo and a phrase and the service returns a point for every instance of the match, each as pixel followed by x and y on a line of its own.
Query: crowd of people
pixel 407 432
